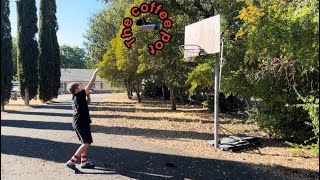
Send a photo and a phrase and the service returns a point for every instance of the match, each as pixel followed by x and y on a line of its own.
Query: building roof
pixel 69 75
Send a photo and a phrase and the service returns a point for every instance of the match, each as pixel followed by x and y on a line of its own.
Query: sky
pixel 73 19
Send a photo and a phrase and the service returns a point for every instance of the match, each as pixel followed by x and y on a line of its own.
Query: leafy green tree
pixel 49 56
pixel 174 72
pixel 103 27
pixel 119 64
pixel 282 44
pixel 166 65
pixel 127 62
pixel 6 56
pixel 73 57
pixel 109 69
pixel 201 76
pixel 137 63
pixel 27 51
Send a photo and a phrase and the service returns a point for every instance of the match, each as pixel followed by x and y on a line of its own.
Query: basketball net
pixel 190 52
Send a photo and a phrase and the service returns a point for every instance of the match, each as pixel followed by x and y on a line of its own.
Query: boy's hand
pixel 92 80
pixel 98 69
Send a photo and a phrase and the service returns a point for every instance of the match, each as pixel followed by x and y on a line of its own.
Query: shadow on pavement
pixel 115 107
pixel 155 133
pixel 136 164
pixel 60 105
pixel 110 116
pixel 133 109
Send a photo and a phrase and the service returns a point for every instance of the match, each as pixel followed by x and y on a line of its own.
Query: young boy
pixel 81 121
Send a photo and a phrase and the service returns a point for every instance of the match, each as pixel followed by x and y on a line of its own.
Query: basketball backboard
pixel 205 34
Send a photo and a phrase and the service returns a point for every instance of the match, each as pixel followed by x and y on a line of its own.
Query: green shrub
pixel 283 122
pixel 311 105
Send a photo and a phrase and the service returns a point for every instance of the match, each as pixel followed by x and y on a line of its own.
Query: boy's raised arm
pixel 92 80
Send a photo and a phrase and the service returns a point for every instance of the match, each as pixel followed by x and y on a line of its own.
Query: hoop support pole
pixel 216 100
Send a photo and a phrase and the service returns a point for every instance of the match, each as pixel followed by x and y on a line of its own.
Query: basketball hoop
pixel 190 52
pixel 201 38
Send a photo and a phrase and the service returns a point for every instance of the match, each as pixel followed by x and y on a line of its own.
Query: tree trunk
pixel 163 97
pixel 2 106
pixel 26 97
pixel 137 90
pixel 173 97
pixel 131 88
pixel 128 90
pixel 129 94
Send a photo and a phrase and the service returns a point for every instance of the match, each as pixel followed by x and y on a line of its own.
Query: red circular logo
pixel 156 9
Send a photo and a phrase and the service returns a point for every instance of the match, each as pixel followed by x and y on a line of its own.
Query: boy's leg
pixel 86 138
pixel 83 148
pixel 84 163
pixel 84 157
pixel 84 153
pixel 72 161
pixel 82 134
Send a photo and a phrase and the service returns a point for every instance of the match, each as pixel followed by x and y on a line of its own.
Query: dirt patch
pixel 188 129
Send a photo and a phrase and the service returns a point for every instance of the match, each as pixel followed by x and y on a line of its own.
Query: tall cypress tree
pixel 56 53
pixel 27 49
pixel 6 56
pixel 49 57
pixel 45 53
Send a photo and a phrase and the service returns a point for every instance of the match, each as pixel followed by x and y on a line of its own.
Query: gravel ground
pixel 136 141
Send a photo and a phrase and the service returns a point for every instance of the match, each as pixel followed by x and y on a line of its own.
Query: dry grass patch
pixel 187 130
pixel 19 104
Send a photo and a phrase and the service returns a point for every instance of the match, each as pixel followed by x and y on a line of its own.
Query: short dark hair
pixel 72 87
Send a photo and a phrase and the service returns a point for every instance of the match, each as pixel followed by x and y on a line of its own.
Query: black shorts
pixel 84 134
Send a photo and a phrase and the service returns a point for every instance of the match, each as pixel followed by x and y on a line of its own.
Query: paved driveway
pixel 36 142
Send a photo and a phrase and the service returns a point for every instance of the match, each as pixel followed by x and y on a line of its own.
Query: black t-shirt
pixel 80 110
